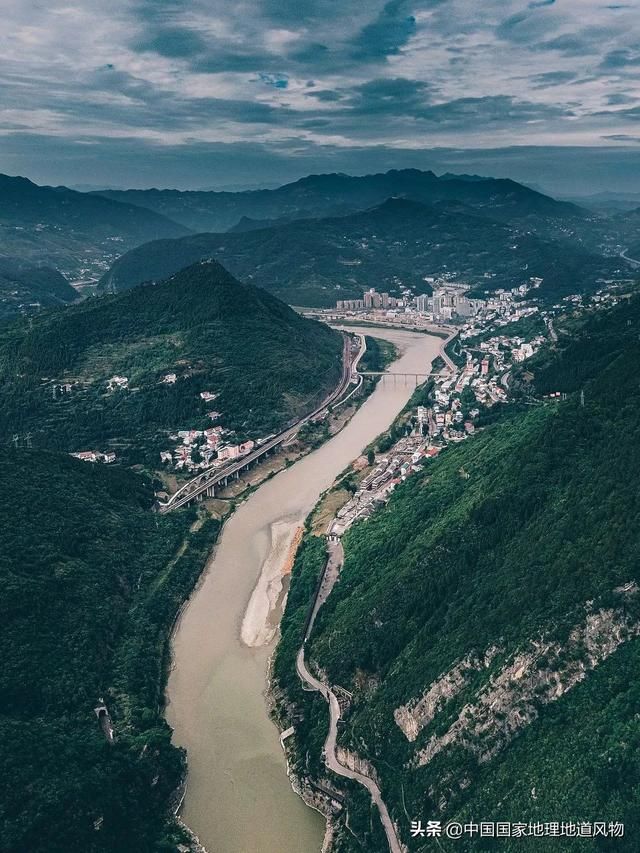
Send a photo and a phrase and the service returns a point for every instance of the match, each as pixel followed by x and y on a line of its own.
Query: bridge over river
pixel 205 483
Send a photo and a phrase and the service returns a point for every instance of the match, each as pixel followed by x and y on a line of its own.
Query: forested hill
pixel 26 287
pixel 72 231
pixel 91 581
pixel 265 362
pixel 316 262
pixel 487 620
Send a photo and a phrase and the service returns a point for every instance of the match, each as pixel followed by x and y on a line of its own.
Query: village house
pixel 117 382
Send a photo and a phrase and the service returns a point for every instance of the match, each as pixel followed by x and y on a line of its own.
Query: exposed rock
pixel 356 763
pixel 415 715
pixel 542 674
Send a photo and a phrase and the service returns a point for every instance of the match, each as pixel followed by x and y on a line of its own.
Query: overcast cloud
pixel 209 92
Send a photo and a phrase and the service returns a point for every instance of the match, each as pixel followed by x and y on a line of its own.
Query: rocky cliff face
pixel 511 700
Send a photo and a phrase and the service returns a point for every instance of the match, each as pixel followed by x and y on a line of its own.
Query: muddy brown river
pixel 238 798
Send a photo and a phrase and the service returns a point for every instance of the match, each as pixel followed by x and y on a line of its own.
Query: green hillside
pixel 91 583
pixel 399 242
pixel 74 232
pixel 487 620
pixel 265 362
pixel 26 287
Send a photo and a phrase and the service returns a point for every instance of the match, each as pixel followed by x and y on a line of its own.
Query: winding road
pixel 336 558
pixel 330 575
pixel 633 261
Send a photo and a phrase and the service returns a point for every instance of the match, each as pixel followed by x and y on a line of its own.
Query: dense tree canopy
pixel 91 582
pixel 266 363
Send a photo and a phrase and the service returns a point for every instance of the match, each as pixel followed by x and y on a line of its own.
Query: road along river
pixel 238 797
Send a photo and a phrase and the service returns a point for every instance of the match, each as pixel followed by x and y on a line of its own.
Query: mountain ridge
pixel 70 230
pixel 487 620
pixel 315 262
pixel 25 287
pixel 318 193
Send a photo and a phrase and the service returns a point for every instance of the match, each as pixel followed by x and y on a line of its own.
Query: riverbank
pixel 375 355
pixel 289 704
pixel 238 795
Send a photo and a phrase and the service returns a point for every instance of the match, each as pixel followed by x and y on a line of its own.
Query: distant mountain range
pixel 314 240
pixel 265 362
pixel 335 194
pixel 399 242
pixel 606 201
pixel 73 231
pixel 25 287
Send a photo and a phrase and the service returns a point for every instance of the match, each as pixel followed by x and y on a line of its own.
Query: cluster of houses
pixel 199 449
pixel 452 415
pixel 448 303
pixel 95 456
pixel 403 459
pixel 117 383
pixel 195 450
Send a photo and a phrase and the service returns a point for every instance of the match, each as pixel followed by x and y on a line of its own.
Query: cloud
pixel 621 58
pixel 618 98
pixel 173 42
pixel 326 95
pixel 622 137
pixel 280 81
pixel 390 31
pixel 316 76
pixel 579 43
pixel 464 112
pixel 552 78
pixel 395 95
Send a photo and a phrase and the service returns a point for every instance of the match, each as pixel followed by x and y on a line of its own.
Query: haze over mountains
pixel 505 539
pixel 70 230
pixel 312 241
pixel 332 194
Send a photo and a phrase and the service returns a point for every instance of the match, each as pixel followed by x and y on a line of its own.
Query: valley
pixel 320 427
pixel 388 500
pixel 216 702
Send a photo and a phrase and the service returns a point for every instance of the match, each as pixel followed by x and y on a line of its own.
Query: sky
pixel 235 93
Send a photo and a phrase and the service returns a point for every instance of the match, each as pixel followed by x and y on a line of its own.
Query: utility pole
pixel 582 398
